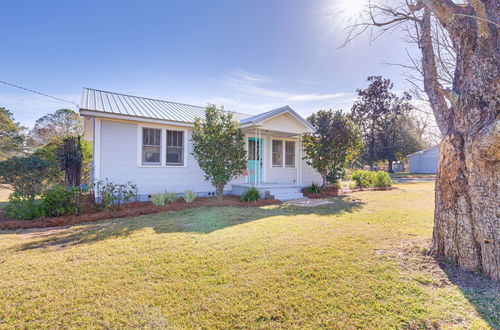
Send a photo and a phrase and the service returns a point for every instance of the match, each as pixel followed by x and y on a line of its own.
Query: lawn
pixel 358 262
pixel 4 196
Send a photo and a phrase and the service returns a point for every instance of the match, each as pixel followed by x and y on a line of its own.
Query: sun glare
pixel 351 8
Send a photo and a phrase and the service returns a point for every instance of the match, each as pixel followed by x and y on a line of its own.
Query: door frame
pixel 262 142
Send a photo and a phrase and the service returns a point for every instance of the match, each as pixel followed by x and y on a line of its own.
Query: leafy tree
pixel 389 131
pixel 59 124
pixel 219 147
pixel 26 175
pixel 399 136
pixel 336 142
pixel 11 135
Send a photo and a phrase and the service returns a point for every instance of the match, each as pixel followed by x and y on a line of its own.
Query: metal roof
pixel 273 113
pixel 123 104
pixel 423 150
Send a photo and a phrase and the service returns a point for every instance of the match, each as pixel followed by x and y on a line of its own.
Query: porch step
pixel 286 196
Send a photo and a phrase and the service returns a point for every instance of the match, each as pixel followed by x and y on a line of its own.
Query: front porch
pixel 280 191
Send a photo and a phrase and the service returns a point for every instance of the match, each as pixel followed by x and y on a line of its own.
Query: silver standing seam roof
pixel 136 106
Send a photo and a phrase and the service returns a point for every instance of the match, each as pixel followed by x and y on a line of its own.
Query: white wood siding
pixel 118 153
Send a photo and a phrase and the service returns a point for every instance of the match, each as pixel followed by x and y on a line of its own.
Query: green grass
pixel 358 262
pixel 411 175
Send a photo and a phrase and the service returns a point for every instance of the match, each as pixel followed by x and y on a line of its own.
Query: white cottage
pixel 148 142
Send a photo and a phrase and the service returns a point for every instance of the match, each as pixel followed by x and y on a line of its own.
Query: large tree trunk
pixel 466 224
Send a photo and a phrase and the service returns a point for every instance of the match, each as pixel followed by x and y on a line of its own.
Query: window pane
pixel 151 141
pixel 175 139
pixel 253 154
pixel 251 150
pixel 150 155
pixel 277 153
pixel 175 156
pixel 290 153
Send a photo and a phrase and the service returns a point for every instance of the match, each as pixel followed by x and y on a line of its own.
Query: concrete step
pixel 286 196
pixel 282 190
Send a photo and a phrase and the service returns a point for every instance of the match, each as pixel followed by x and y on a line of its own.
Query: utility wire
pixel 39 93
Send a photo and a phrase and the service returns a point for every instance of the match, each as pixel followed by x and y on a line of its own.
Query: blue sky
pixel 249 55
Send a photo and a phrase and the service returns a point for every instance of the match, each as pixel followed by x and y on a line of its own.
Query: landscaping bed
pixel 128 210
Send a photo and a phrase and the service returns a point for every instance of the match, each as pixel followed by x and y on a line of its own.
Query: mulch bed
pixel 333 192
pixel 128 210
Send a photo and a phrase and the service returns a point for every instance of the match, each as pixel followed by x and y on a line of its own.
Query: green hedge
pixel 368 179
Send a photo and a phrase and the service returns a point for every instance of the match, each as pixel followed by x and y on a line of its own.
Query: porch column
pixel 299 167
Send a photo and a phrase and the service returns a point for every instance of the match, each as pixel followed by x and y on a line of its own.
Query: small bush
pixel 189 196
pixel 382 180
pixel 250 195
pixel 158 199
pixel 109 194
pixel 22 208
pixel 337 185
pixel 362 179
pixel 368 179
pixel 314 188
pixel 60 200
pixel 171 197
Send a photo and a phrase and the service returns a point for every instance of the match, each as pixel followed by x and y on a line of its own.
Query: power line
pixel 39 93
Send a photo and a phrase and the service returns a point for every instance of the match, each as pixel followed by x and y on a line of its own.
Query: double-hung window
pixel 175 148
pixel 151 146
pixel 277 153
pixel 283 154
pixel 289 153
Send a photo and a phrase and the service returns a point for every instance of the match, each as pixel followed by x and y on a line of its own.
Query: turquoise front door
pixel 254 166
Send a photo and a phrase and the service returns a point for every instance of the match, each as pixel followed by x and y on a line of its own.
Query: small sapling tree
pixel 219 147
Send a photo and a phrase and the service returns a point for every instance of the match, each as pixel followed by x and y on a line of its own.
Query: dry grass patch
pixel 356 262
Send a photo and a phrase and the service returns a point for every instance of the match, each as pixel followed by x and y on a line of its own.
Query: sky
pixel 248 55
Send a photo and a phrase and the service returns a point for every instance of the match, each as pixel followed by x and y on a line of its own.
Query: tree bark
pixel 389 166
pixel 466 219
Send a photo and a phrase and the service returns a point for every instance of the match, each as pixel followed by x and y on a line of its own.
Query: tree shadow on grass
pixel 198 220
pixel 481 292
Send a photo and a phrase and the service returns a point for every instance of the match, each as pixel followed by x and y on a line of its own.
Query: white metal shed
pixel 424 161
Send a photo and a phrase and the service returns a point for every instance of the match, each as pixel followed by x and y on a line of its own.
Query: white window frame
pixel 183 147
pixel 282 152
pixel 163 146
pixel 294 153
pixel 283 165
pixel 142 146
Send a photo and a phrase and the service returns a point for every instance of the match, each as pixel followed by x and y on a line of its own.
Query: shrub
pixel 250 195
pixel 60 200
pixel 367 179
pixel 362 179
pixel 110 194
pixel 26 175
pixel 337 185
pixel 20 207
pixel 314 188
pixel 158 199
pixel 382 179
pixel 170 197
pixel 189 196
